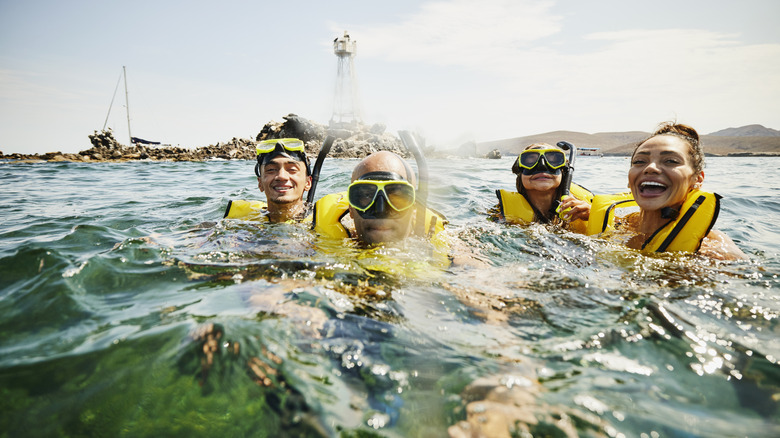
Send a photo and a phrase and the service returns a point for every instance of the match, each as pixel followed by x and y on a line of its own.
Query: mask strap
pixel 381 176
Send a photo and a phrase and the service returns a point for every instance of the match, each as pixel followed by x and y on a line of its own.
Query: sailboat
pixel 133 140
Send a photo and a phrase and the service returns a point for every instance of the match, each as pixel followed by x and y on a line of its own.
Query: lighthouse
pixel 346 104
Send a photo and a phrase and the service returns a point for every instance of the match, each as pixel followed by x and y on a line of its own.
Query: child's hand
pixel 572 208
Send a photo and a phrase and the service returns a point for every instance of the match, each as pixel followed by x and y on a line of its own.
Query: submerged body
pixel 515 208
pixel 623 343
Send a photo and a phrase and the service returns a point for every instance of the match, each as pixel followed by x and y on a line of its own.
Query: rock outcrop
pixel 469 149
pixel 354 141
pixel 495 154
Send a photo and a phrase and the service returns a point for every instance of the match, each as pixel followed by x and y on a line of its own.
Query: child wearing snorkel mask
pixel 541 168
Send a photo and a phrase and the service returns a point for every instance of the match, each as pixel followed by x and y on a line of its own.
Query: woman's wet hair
pixel 685 133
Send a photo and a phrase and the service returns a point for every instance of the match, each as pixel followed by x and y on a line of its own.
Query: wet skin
pixel 389 229
pixel 661 175
pixel 393 225
pixel 541 182
pixel 540 187
pixel 284 180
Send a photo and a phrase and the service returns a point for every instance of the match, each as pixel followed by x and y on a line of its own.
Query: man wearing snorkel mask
pixel 379 206
pixel 283 174
pixel 540 170
pixel 380 198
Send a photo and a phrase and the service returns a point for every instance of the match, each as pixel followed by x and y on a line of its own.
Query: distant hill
pixel 751 139
pixel 747 131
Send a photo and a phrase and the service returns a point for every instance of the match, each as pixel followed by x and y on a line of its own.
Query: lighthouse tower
pixel 346 105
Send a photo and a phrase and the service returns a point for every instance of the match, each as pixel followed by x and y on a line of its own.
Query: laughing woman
pixel 665 179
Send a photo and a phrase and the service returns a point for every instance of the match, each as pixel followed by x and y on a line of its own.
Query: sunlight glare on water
pixel 131 308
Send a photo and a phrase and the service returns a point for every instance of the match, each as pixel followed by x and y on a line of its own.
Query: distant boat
pixel 136 140
pixel 591 152
pixel 133 140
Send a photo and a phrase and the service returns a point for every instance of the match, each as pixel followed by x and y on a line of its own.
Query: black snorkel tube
pixel 422 175
pixel 315 173
pixel 566 182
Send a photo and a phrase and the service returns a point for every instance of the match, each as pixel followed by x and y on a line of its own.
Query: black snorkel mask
pixel 542 166
pixel 533 161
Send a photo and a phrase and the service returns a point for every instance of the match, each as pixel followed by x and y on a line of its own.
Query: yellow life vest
pixel 250 211
pixel 603 208
pixel 516 209
pixel 330 209
pixel 684 233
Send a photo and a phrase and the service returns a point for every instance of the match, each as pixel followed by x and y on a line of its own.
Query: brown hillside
pixel 623 143
pixel 747 131
pixel 717 145
pixel 603 140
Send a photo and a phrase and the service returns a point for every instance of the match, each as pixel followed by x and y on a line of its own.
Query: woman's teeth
pixel 652 187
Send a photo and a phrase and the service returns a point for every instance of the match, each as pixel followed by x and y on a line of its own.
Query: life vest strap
pixel 680 224
pixel 609 212
pixel 227 210
pixel 697 216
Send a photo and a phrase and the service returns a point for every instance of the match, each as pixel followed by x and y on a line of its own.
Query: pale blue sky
pixel 201 72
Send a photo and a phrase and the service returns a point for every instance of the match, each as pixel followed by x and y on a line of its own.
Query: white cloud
pixel 494 69
pixel 461 32
pixel 518 74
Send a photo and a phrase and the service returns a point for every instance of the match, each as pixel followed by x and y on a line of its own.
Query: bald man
pixel 381 222
pixel 380 201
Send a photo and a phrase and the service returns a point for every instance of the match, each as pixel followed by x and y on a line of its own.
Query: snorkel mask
pixel 533 161
pixel 291 148
pixel 380 195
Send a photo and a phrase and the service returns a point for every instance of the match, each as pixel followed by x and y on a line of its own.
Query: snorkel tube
pixel 315 173
pixel 422 175
pixel 566 182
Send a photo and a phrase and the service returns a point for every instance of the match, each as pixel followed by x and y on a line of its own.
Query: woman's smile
pixel 652 188
pixel 661 174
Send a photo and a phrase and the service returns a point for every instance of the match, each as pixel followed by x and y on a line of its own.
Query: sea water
pixel 112 275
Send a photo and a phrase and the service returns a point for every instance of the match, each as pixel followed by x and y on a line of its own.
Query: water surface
pixel 109 271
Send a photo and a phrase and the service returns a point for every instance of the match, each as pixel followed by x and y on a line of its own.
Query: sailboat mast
pixel 127 106
pixel 118 81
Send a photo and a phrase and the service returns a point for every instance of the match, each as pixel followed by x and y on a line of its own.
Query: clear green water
pixel 106 269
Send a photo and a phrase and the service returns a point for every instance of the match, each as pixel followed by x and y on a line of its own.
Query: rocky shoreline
pixel 357 140
pixel 352 141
